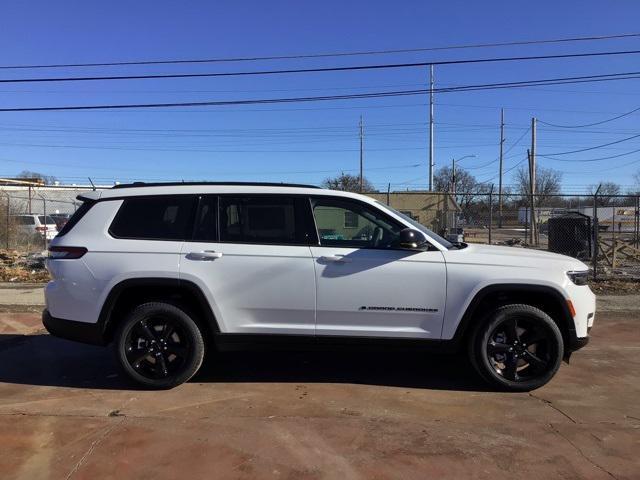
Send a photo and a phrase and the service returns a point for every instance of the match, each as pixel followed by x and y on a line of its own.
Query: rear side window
pixel 45 220
pixel 154 218
pixel 266 220
pixel 75 218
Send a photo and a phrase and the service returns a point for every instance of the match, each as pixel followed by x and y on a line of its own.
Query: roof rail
pixel 248 184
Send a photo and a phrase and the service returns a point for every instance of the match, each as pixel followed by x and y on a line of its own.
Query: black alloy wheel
pixel 159 345
pixel 519 348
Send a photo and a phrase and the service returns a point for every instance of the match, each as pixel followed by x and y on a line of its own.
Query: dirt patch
pixel 615 286
pixel 22 267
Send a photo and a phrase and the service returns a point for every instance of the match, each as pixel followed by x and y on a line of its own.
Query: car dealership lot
pixel 67 412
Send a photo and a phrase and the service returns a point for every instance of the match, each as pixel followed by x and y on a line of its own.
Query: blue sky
pixel 307 142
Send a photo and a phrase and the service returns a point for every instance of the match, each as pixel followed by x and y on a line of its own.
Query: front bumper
pixel 82 332
pixel 577 343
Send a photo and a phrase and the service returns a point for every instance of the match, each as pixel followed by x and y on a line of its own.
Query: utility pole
pixel 534 224
pixel 453 192
pixel 431 159
pixel 361 154
pixel 500 175
pixel 453 176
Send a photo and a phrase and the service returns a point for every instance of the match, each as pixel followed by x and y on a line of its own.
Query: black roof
pixel 249 184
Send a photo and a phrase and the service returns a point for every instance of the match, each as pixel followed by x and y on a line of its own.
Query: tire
pixel 517 348
pixel 159 345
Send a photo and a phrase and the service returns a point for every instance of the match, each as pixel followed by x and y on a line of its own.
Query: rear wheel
pixel 159 345
pixel 518 348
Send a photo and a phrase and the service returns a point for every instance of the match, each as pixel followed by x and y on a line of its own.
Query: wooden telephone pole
pixel 532 183
pixel 431 159
pixel 501 169
pixel 361 155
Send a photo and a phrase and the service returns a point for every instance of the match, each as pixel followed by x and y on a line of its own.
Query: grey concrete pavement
pixel 21 294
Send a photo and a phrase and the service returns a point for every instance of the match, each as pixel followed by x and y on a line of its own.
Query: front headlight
pixel 579 278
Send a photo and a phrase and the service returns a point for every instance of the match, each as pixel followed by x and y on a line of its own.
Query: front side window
pixel 154 218
pixel 433 236
pixel 261 219
pixel 344 223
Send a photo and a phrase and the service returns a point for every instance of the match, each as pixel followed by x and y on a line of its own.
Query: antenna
pixel 91 182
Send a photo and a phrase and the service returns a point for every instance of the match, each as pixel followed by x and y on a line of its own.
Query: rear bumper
pixel 71 330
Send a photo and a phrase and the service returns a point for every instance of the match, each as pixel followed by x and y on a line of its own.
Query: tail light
pixel 66 253
pixel 41 229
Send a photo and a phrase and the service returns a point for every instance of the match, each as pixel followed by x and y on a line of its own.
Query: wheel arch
pixel 546 298
pixel 135 291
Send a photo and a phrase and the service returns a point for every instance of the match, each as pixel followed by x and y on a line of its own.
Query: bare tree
pixel 548 183
pixel 606 194
pixel 466 186
pixel 347 183
pixel 36 177
pixel 635 190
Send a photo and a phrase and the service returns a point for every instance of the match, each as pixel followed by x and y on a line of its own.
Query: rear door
pixel 250 256
pixel 365 285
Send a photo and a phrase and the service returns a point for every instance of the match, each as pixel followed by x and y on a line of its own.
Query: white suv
pixel 45 226
pixel 167 271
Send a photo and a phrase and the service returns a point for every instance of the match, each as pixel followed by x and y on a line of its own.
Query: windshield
pixel 432 235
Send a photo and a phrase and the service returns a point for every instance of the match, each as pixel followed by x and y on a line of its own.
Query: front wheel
pixel 519 348
pixel 159 346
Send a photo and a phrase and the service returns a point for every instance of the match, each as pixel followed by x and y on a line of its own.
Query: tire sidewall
pixel 148 311
pixel 480 340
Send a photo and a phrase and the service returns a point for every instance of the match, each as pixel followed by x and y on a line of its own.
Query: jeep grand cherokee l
pixel 166 271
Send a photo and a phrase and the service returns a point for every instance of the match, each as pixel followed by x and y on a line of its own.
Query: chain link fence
pixel 602 231
pixel 30 216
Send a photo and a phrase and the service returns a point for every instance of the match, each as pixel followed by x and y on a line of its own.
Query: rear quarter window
pixel 75 218
pixel 154 218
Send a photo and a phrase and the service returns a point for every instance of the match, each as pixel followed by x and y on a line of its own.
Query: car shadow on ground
pixel 49 361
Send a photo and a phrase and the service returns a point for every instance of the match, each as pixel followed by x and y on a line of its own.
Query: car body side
pixel 85 290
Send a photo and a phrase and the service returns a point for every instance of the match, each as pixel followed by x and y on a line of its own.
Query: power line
pixel 507 151
pixel 464 88
pixel 592 124
pixel 592 148
pixel 320 69
pixel 324 55
pixel 590 159
pixel 504 153
pixel 264 172
pixel 633 162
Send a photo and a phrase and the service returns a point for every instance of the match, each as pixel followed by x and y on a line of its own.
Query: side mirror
pixel 411 239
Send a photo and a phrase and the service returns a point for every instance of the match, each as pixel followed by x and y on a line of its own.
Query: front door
pixel 365 285
pixel 251 258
